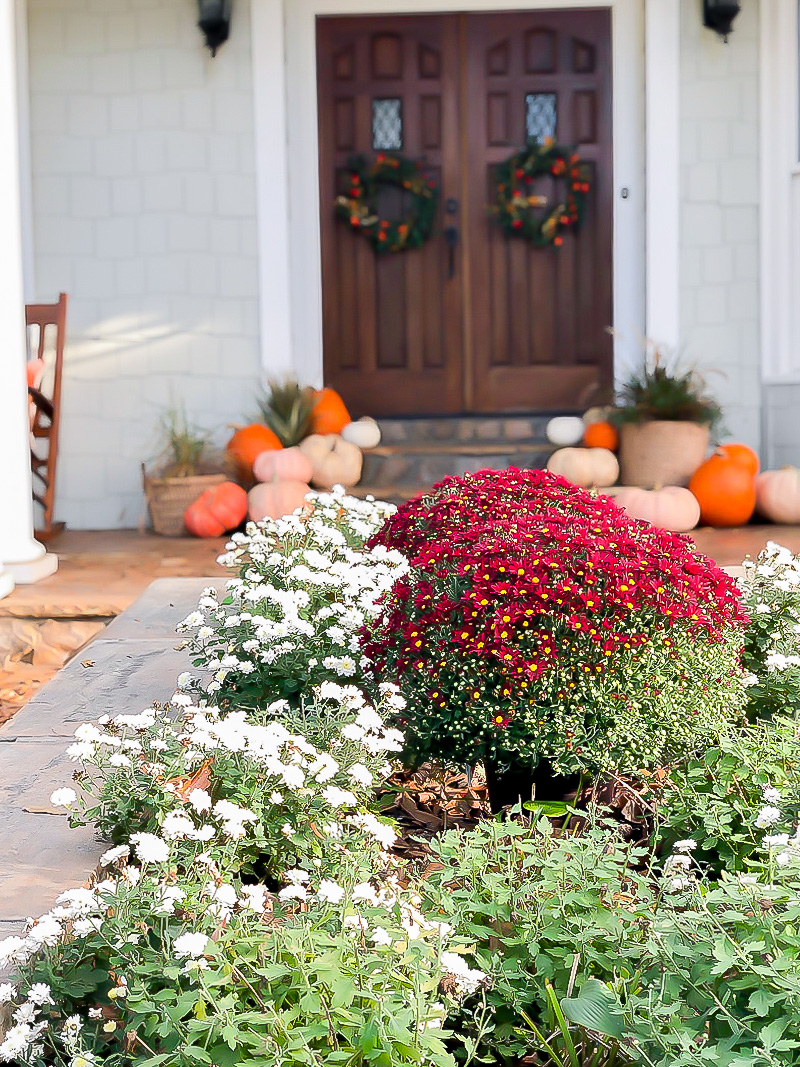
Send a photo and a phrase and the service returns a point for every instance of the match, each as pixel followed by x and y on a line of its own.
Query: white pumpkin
pixel 564 430
pixel 365 433
pixel 334 461
pixel 671 508
pixel 778 495
pixel 585 467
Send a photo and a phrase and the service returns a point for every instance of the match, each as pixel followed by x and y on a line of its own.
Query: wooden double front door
pixel 475 320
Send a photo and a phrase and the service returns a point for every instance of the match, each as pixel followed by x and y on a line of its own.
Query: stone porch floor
pixel 102 572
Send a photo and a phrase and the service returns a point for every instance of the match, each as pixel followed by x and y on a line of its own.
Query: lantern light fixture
pixel 214 20
pixel 719 15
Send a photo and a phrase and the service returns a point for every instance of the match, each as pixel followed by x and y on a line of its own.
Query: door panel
pixel 539 315
pixel 392 324
pixel 502 326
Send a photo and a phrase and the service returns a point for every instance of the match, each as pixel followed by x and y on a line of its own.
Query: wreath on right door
pixel 518 209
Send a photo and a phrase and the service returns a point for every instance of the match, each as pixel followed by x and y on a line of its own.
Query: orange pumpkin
pixel 601 435
pixel 725 491
pixel 330 414
pixel 273 500
pixel 247 444
pixel 288 465
pixel 216 511
pixel 743 455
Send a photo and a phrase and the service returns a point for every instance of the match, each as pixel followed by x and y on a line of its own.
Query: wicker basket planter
pixel 168 499
pixel 661 453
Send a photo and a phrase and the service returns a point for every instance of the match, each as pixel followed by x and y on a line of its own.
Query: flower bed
pixel 252 907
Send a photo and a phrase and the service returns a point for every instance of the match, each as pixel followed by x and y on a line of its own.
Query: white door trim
pixel 288 167
pixel 780 192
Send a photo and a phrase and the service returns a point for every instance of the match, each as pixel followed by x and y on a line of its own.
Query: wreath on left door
pixel 358 206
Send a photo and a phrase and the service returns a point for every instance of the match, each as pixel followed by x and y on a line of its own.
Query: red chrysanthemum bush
pixel 539 622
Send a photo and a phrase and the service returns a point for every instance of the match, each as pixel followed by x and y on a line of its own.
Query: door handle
pixel 451 237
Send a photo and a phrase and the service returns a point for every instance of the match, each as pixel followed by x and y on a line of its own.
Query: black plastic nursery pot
pixel 519 783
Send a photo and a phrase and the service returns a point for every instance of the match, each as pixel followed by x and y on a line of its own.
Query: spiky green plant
pixel 183 446
pixel 661 389
pixel 287 408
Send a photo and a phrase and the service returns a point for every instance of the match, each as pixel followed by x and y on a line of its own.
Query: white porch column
pixel 20 554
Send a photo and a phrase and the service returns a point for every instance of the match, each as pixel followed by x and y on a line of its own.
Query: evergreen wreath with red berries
pixel 358 206
pixel 516 204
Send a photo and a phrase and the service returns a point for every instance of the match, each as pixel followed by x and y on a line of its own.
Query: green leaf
pixel 595 1008
pixel 551 809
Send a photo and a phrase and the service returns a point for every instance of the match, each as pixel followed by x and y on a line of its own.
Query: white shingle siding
pixel 144 206
pixel 719 326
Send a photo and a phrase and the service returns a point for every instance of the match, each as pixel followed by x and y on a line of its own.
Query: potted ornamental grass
pixel 665 417
pixel 184 466
pixel 544 633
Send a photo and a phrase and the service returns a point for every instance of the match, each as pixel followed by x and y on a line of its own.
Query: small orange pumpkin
pixel 725 491
pixel 273 500
pixel 288 465
pixel 330 414
pixel 247 444
pixel 601 435
pixel 743 455
pixel 216 511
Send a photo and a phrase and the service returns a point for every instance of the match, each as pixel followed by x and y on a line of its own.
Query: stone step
pixel 464 428
pixel 415 464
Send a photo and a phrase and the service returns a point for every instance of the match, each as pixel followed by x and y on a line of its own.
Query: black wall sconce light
pixel 214 19
pixel 719 15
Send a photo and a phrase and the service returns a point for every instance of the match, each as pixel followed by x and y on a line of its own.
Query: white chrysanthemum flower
pixel 16 1042
pixel 677 862
pixel 688 844
pixel 379 936
pixel 114 854
pixel 254 897
pixel 330 891
pixel 467 979
pixel 776 840
pixel 63 798
pixel 293 892
pixel 177 826
pixel 361 775
pixel 47 932
pixel 339 798
pixel 768 816
pixel 772 795
pixel 150 848
pixel 39 994
pixel 190 944
pixel 7 992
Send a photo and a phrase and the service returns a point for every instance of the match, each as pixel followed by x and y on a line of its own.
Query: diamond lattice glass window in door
pixel 387 124
pixel 541 116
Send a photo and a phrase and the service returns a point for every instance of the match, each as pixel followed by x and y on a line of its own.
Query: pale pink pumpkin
pixel 778 495
pixel 671 508
pixel 273 500
pixel 288 465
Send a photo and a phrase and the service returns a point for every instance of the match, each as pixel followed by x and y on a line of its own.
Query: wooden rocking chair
pixel 45 401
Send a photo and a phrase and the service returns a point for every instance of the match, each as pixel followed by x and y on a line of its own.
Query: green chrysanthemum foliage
pixel 541 623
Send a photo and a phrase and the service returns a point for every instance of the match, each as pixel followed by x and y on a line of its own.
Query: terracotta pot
pixel 661 453
pixel 515 783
